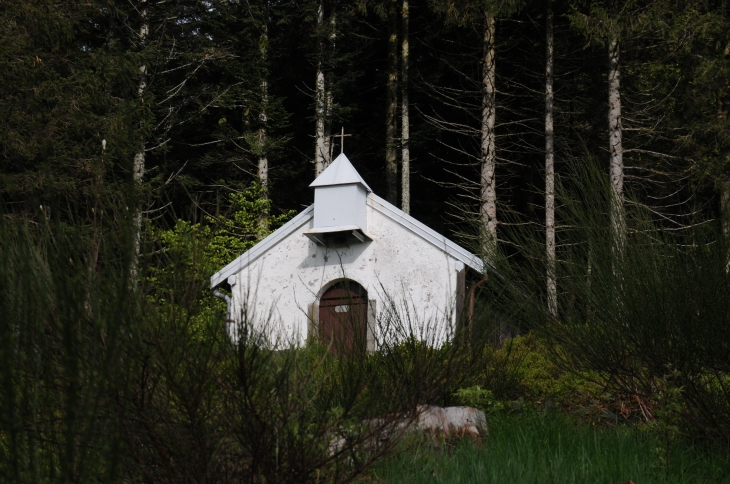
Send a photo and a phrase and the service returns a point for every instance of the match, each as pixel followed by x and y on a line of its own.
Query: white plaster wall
pixel 278 288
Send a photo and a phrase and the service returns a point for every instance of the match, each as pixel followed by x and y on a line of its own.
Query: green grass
pixel 544 449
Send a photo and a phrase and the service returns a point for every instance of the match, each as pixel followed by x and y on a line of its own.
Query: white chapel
pixel 348 252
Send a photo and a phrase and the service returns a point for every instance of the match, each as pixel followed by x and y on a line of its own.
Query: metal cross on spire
pixel 342 139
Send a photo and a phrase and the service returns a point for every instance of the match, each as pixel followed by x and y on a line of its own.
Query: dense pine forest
pixel 581 148
pixel 449 105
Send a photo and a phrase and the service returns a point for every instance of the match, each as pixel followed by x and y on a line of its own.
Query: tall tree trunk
pixel 263 168
pixel 615 145
pixel 329 81
pixel 391 121
pixel 328 143
pixel 552 293
pixel 725 220
pixel 488 194
pixel 725 207
pixel 724 184
pixel 321 148
pixel 405 120
pixel 139 156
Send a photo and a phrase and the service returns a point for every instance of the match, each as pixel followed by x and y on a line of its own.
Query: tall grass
pixel 63 315
pixel 544 449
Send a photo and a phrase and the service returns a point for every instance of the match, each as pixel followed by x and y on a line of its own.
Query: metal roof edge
pixel 428 234
pixel 259 249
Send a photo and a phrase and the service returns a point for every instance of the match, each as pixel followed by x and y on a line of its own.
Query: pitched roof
pixel 428 234
pixel 449 247
pixel 340 172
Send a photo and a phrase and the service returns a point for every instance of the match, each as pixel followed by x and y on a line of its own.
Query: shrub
pixel 633 299
pixel 539 379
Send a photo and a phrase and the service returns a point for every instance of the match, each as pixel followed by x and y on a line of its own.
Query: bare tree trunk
pixel 139 157
pixel 725 207
pixel 724 186
pixel 328 122
pixel 391 121
pixel 321 150
pixel 263 168
pixel 552 292
pixel 725 221
pixel 615 145
pixel 329 81
pixel 405 120
pixel 488 195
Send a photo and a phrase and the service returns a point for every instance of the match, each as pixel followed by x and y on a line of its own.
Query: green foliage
pixel 540 379
pixel 206 247
pixel 189 253
pixel 480 398
pixel 536 380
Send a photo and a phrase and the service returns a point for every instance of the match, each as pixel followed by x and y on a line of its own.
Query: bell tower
pixel 340 200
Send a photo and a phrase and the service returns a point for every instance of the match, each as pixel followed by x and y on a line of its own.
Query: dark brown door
pixel 343 316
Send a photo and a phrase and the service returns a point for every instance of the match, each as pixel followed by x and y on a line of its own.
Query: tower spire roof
pixel 340 172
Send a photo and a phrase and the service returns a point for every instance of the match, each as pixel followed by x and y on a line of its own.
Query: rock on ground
pixel 437 422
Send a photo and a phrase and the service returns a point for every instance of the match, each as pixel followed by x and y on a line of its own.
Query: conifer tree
pixel 65 86
pixel 139 157
pixel 405 115
pixel 322 141
pixel 552 295
pixel 607 24
pixel 482 15
pixel 391 117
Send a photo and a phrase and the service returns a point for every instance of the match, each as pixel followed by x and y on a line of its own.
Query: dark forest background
pixel 184 81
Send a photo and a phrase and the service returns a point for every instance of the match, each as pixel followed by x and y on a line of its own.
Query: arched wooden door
pixel 343 316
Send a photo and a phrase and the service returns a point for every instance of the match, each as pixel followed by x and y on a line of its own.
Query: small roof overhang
pixel 341 233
